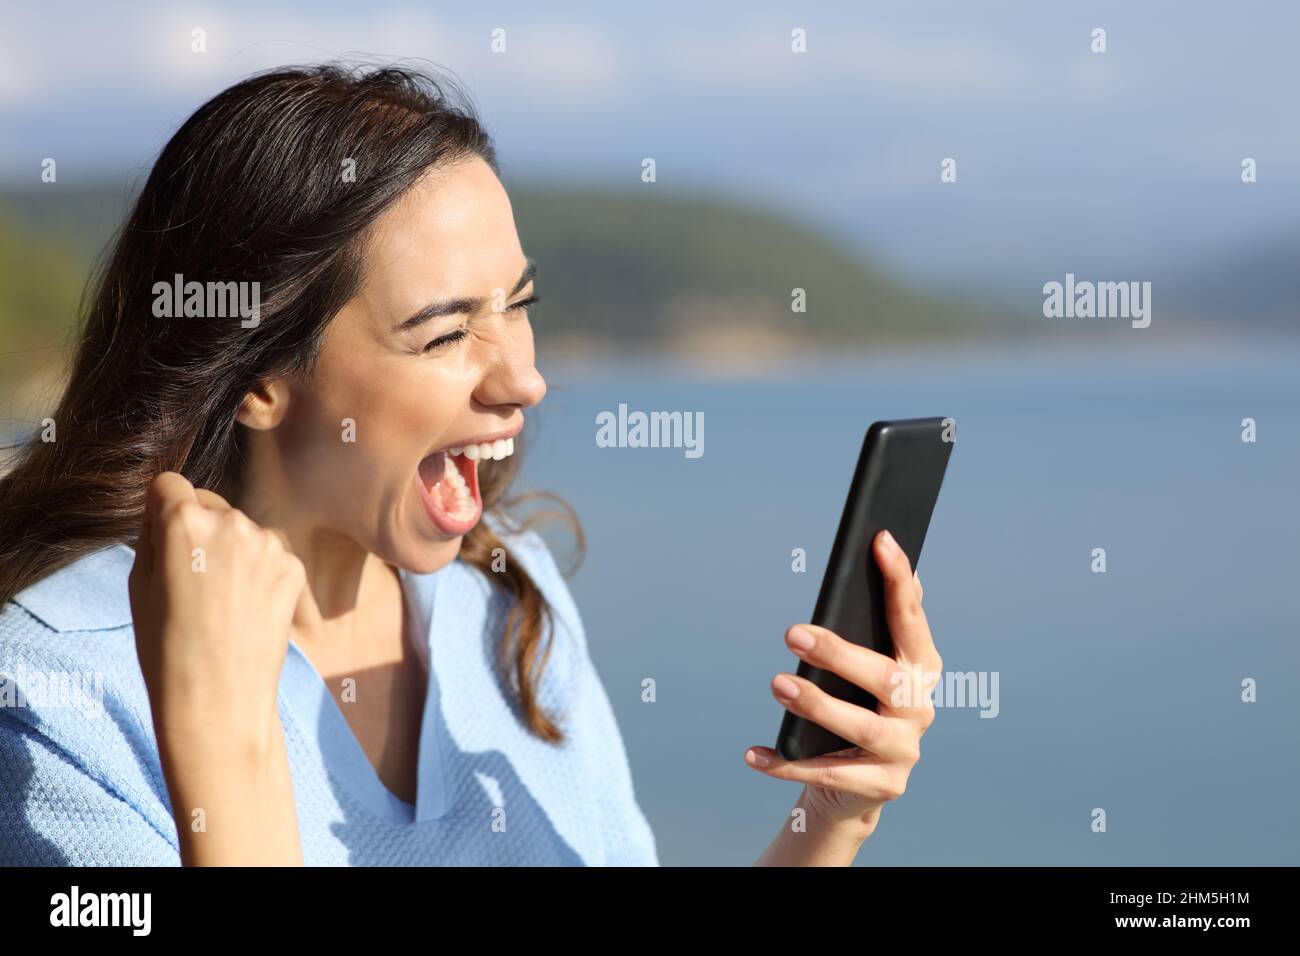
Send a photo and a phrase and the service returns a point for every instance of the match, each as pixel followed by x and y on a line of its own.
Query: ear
pixel 264 405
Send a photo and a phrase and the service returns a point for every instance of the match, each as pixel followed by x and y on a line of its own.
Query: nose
pixel 512 379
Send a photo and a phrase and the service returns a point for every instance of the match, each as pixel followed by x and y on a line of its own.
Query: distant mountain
pixel 645 270
pixel 646 267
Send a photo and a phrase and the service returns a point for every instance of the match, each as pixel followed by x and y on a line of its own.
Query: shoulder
pixel 529 548
pixel 568 664
pixel 526 544
pixel 73 625
pixel 76 620
pixel 90 594
pixel 532 552
pixel 72 697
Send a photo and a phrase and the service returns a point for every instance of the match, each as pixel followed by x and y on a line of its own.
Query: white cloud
pixel 142 48
pixel 562 64
pixel 149 49
pixel 758 58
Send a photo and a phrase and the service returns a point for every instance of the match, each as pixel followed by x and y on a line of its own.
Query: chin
pixel 433 556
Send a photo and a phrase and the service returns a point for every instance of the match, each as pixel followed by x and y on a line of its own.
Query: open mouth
pixel 448 483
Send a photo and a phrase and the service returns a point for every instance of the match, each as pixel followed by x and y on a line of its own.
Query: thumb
pixel 166 487
pixel 142 570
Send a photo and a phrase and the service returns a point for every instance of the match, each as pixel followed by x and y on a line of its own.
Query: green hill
pixel 635 270
pixel 646 267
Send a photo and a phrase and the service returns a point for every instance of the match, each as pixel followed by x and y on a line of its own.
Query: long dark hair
pixel 250 188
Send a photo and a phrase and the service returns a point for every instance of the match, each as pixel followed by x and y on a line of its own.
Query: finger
pixel 905 688
pixel 168 490
pixel 885 737
pixel 211 500
pixel 907 624
pixel 868 669
pixel 860 774
pixel 163 493
pixel 920 591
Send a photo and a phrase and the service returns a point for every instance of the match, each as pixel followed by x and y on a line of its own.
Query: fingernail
pixel 888 541
pixel 785 687
pixel 801 640
pixel 756 758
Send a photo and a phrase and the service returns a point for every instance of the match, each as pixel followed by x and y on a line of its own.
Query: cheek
pixel 355 424
pixel 403 412
pixel 433 395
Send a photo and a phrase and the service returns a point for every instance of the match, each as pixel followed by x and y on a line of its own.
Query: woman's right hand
pixel 213 598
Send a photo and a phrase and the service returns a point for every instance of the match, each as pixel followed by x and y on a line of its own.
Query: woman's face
pixel 433 356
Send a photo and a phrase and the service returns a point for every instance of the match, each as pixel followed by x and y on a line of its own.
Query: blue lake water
pixel 1119 691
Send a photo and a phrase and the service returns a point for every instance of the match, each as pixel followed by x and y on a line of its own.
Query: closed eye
pixel 524 303
pixel 452 338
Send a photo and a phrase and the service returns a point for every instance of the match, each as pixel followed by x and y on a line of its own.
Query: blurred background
pixel 820 170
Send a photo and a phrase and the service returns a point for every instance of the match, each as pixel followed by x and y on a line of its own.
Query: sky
pixel 1122 162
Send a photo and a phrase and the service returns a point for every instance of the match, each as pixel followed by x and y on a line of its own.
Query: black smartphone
pixel 895 487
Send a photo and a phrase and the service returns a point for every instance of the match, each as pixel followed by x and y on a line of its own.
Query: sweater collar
pixel 90 594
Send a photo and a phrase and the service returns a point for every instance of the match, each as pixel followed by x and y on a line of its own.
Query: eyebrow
pixel 457 306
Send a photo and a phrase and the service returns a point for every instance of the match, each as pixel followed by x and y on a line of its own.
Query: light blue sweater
pixel 81 784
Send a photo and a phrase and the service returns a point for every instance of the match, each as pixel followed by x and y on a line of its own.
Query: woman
pixel 263 546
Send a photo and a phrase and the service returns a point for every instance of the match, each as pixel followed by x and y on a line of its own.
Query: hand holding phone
pixel 895 487
pixel 848 734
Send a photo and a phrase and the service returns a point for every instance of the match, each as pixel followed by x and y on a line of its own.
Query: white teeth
pixel 465 506
pixel 485 451
pixel 452 474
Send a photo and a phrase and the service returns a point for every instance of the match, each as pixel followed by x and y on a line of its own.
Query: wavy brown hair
pixel 250 188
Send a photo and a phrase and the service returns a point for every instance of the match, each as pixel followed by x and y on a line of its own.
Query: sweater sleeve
pixel 54 813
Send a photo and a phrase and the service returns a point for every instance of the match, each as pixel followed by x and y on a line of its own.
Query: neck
pixel 343 578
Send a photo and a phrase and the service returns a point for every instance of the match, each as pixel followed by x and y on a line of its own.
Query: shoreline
pixel 1110 353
